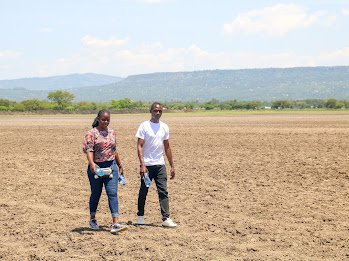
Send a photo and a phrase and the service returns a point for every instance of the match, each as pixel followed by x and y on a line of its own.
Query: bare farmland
pixel 248 187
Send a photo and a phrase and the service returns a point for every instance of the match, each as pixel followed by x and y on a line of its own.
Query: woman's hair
pixel 99 114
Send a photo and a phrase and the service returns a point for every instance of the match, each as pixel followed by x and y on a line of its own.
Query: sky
pixel 42 38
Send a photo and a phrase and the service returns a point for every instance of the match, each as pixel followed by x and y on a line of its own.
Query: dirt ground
pixel 248 187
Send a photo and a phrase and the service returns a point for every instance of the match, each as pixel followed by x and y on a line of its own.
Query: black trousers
pixel 158 174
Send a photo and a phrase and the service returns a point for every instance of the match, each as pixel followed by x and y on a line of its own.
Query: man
pixel 153 140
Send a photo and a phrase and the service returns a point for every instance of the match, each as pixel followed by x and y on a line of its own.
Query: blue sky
pixel 126 37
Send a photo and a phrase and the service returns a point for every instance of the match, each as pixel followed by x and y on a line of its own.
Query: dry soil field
pixel 248 187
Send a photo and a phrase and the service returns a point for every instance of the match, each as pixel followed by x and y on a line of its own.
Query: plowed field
pixel 248 187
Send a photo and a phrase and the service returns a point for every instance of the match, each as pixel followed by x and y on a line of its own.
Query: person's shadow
pixel 89 231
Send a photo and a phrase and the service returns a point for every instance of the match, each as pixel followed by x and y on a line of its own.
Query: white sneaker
pixel 169 223
pixel 140 220
pixel 118 227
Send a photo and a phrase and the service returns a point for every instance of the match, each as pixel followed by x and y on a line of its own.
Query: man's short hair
pixel 154 104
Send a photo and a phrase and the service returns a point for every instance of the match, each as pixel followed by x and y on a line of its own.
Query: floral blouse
pixel 101 143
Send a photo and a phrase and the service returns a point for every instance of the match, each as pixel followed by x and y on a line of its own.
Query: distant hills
pixel 247 84
pixel 59 82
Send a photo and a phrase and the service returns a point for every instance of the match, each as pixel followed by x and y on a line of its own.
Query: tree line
pixel 62 101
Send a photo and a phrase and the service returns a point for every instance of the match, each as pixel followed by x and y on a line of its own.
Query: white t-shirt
pixel 153 135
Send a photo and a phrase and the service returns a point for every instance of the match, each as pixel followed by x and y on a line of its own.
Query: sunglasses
pixel 157 111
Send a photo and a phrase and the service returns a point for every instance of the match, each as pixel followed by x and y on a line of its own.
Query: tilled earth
pixel 248 187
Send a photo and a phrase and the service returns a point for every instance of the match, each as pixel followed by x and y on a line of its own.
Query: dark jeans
pixel 111 187
pixel 158 174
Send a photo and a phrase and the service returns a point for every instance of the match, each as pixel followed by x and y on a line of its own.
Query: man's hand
pixel 143 169
pixel 173 173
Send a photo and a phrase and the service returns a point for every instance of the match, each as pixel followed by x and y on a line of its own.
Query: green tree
pixel 189 105
pixel 83 105
pixel 314 103
pixel 212 104
pixel 346 104
pixel 61 98
pixel 125 103
pixel 225 106
pixel 176 105
pixel 5 102
pixel 252 105
pixel 340 105
pixel 331 103
pixel 32 105
pixel 281 104
pixel 17 107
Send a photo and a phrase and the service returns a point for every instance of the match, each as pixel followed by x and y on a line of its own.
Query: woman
pixel 100 147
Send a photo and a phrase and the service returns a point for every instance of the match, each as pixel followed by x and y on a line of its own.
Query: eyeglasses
pixel 157 111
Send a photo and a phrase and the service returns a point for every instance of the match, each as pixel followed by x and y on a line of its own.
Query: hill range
pixel 246 84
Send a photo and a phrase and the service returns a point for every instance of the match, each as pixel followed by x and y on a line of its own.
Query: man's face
pixel 156 112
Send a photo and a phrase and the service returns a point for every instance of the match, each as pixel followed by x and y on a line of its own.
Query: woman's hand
pixel 118 162
pixel 121 170
pixel 93 168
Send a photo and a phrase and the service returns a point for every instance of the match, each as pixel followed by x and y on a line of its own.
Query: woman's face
pixel 104 120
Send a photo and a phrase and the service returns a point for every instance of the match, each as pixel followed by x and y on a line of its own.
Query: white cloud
pixel 340 56
pixel 275 20
pixel 345 12
pixel 100 43
pixel 155 57
pixel 152 1
pixel 144 58
pixel 46 29
pixel 328 20
pixel 9 54
pixel 9 65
